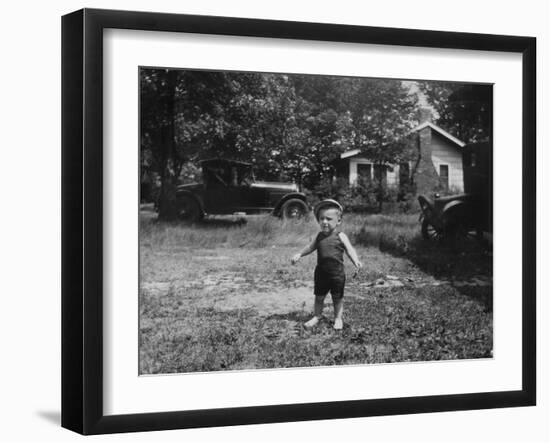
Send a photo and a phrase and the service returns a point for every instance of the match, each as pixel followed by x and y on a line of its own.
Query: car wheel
pixel 188 209
pixel 462 237
pixel 294 209
pixel 430 232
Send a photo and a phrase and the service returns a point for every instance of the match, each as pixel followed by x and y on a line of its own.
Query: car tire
pixel 430 232
pixel 294 209
pixel 188 209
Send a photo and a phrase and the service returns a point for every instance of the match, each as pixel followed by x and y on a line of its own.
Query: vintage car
pixel 229 187
pixel 469 214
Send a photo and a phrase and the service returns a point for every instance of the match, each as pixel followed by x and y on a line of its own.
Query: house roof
pixel 350 153
pixel 436 128
pixel 440 131
pixel 211 161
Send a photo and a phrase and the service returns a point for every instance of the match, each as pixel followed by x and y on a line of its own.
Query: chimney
pixel 425 176
pixel 424 115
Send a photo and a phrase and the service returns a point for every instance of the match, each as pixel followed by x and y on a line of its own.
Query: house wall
pixel 447 153
pixel 435 146
pixel 392 174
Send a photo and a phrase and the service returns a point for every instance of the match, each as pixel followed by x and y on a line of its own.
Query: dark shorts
pixel 332 280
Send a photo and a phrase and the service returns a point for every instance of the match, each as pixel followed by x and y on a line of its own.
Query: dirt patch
pixel 265 303
pixel 392 282
pixel 236 291
pixel 245 283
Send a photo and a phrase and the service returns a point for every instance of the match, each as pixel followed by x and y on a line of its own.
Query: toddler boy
pixel 330 244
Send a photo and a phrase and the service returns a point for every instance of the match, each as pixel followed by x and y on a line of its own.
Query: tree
pixel 157 119
pixel 326 127
pixel 464 110
pixel 187 115
pixel 289 126
pixel 180 116
pixel 383 114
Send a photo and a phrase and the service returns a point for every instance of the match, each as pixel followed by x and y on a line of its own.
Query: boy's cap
pixel 328 203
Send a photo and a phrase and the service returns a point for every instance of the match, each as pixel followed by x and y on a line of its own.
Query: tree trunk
pixel 167 199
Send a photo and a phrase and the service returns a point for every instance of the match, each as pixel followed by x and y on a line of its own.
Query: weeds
pixel 261 231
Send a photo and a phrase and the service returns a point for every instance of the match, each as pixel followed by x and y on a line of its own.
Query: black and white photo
pixel 233 169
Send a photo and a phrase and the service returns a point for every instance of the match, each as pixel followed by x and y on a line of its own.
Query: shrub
pixel 365 196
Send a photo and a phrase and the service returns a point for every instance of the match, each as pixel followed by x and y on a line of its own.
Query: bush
pixel 365 196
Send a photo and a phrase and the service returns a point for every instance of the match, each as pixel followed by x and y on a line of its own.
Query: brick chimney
pixel 424 115
pixel 425 177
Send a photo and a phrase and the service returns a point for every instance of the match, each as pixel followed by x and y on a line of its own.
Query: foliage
pixel 383 113
pixel 464 110
pixel 289 126
pixel 365 196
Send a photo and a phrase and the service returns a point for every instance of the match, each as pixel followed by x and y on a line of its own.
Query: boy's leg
pixel 337 293
pixel 320 289
pixel 338 303
pixel 317 311
pixel 319 305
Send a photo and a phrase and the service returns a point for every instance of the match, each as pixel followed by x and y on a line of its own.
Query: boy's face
pixel 329 218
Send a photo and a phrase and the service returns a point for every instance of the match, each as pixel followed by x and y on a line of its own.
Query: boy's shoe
pixel 338 324
pixel 311 323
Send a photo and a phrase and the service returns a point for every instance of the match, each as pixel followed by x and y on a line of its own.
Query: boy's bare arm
pixel 350 251
pixel 307 250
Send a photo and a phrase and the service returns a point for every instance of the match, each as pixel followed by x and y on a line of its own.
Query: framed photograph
pixel 269 221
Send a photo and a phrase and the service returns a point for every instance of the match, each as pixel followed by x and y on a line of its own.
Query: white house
pixel 438 165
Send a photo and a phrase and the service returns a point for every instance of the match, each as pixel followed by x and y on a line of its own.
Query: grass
pixel 256 232
pixel 390 326
pixel 222 296
pixel 389 232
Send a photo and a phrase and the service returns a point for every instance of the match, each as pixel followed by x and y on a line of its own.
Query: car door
pixel 220 196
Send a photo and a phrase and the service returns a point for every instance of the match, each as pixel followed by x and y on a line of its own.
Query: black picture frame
pixel 82 218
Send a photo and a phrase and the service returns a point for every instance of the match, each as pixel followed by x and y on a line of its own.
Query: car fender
pixel 456 209
pixel 452 204
pixel 424 201
pixel 426 207
pixel 285 198
pixel 198 199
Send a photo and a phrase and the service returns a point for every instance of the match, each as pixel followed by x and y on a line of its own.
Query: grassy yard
pixel 222 295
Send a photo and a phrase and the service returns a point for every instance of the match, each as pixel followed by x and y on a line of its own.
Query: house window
pixel 381 174
pixel 444 175
pixel 364 172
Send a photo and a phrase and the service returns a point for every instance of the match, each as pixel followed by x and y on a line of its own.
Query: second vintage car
pixel 229 187
pixel 453 217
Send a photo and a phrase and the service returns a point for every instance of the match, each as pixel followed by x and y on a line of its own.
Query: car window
pixel 215 177
pixel 245 176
